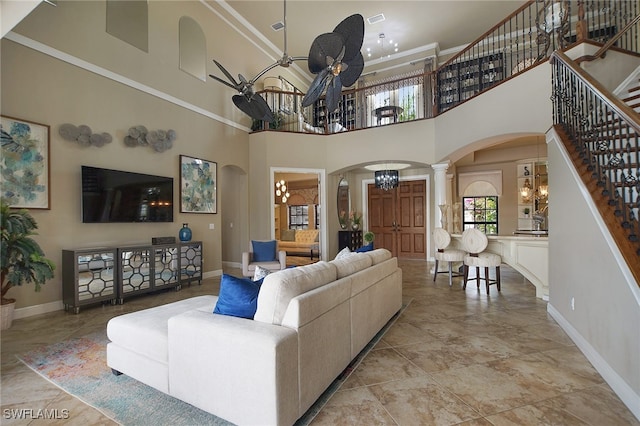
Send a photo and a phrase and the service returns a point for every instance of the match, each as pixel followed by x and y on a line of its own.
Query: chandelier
pixel 543 191
pixel 525 191
pixel 385 47
pixel 281 191
pixel 386 179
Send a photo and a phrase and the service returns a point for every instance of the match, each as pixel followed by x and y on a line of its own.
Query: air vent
pixel 277 26
pixel 376 18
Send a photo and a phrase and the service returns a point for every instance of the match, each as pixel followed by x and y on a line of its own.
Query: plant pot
pixel 6 315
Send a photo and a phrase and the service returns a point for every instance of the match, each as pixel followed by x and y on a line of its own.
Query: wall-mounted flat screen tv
pixel 119 196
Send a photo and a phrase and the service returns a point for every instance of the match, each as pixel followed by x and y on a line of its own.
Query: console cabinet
pixel 89 276
pixel 112 274
pixel 351 239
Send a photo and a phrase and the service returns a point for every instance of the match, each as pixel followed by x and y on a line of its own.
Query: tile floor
pixel 453 357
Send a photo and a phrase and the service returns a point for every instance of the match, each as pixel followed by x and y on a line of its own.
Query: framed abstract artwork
pixel 198 180
pixel 24 165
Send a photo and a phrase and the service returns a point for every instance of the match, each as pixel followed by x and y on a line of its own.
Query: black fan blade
pixel 229 76
pixel 226 83
pixel 317 87
pixel 255 107
pixel 350 75
pixel 352 31
pixel 328 44
pixel 334 92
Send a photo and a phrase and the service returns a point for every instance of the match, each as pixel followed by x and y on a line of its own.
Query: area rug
pixel 78 366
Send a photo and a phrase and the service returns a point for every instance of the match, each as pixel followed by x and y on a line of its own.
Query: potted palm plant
pixel 368 237
pixel 23 260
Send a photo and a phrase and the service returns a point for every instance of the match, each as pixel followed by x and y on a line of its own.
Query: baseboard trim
pixel 212 274
pixel 613 379
pixel 58 305
pixel 232 265
pixel 44 308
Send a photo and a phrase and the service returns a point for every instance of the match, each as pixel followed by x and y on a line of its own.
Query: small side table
pixel 388 111
pixel 315 248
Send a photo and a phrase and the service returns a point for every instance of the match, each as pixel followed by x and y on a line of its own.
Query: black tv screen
pixel 118 196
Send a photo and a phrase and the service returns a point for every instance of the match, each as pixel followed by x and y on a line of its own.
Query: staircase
pixel 602 135
pixel 631 97
pixel 633 100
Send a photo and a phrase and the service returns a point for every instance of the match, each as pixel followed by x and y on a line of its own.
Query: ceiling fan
pixel 335 57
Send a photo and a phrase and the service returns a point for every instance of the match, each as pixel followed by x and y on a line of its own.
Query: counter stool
pixel 441 240
pixel 474 242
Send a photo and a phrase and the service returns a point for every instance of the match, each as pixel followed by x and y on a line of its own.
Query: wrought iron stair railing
pixel 604 134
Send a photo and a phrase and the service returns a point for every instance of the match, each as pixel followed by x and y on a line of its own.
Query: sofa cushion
pixel 238 297
pixel 351 264
pixel 288 235
pixel 307 236
pixel 379 255
pixel 279 288
pixel 264 251
pixel 145 332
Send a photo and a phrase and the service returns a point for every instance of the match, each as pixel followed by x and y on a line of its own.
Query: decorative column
pixel 440 193
pixel 450 197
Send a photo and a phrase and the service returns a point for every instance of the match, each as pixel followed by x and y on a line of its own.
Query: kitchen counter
pixel 527 254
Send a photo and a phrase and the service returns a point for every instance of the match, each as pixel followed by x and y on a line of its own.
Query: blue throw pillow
pixel 238 297
pixel 362 249
pixel 264 251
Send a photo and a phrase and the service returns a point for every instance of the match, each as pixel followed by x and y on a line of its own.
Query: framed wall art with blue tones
pixel 198 180
pixel 24 166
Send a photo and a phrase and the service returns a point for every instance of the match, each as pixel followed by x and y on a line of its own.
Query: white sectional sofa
pixel 310 323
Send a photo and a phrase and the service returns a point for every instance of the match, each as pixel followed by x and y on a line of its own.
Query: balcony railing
pixel 521 41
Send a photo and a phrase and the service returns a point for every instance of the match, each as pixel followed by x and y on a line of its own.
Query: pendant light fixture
pixel 281 191
pixel 386 179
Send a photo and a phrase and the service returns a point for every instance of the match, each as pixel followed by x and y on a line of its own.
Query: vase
pixel 6 315
pixel 185 233
pixel 456 218
pixel 355 226
pixel 443 215
pixel 343 225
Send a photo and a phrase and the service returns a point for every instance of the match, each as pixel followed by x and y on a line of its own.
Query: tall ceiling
pixel 416 25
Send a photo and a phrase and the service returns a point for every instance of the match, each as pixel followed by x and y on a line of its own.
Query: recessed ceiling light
pixel 376 18
pixel 387 166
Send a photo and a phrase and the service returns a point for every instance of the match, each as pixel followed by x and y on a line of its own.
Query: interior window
pixel 298 217
pixel 481 213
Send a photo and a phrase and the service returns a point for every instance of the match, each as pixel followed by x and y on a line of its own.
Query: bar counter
pixel 527 254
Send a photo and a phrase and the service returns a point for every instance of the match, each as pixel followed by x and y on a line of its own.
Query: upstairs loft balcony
pixel 521 41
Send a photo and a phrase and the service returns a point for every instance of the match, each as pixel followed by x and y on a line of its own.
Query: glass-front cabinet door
pixel 88 276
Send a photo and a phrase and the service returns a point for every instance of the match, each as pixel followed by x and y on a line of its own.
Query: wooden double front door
pixel 398 218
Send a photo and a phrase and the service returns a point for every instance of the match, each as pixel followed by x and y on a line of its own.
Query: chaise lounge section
pixel 310 323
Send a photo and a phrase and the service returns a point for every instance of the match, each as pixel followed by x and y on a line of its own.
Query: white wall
pixel 592 294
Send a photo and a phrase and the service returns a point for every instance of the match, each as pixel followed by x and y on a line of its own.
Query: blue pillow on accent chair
pixel 368 247
pixel 264 251
pixel 238 297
